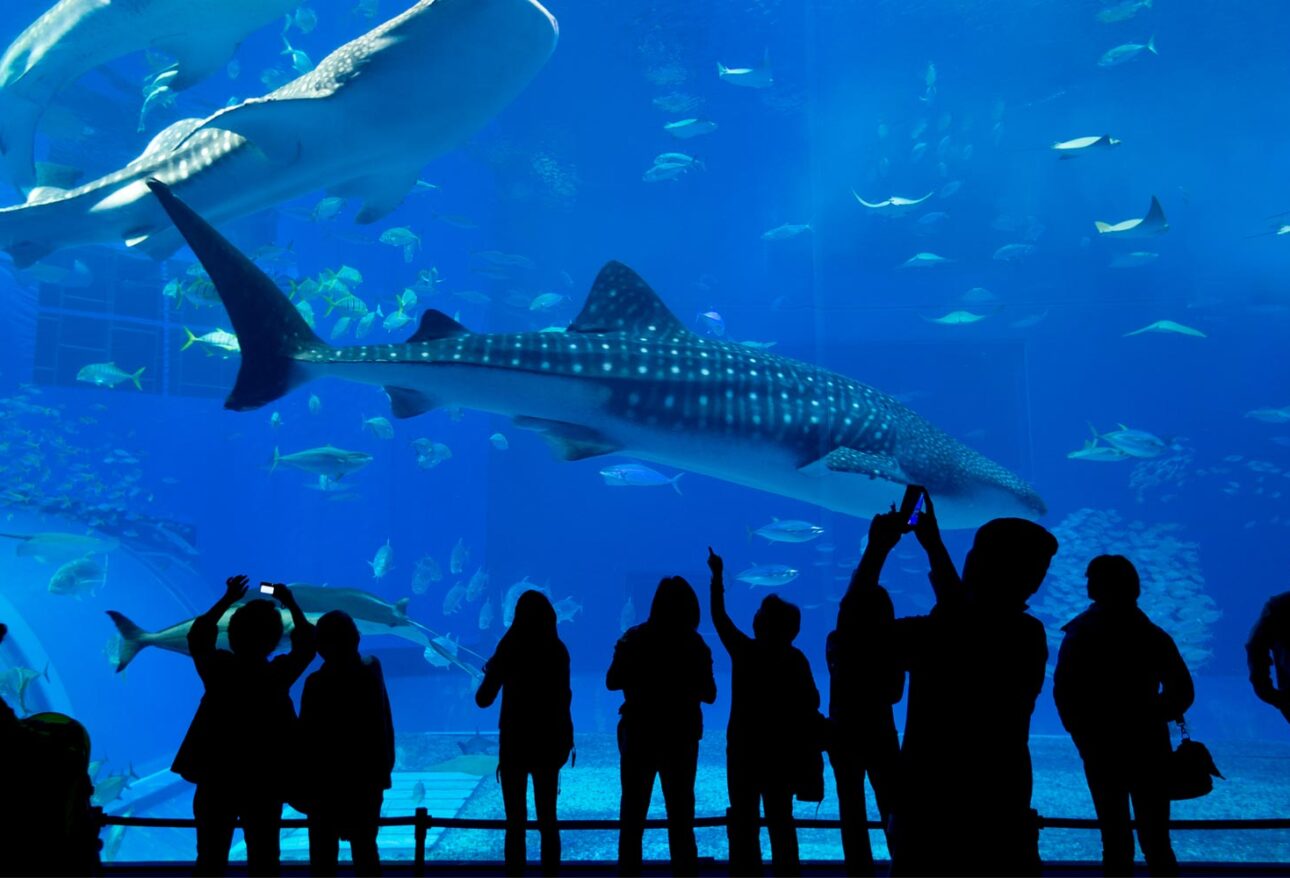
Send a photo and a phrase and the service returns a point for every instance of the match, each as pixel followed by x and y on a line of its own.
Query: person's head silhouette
pixel 1113 581
pixel 534 618
pixel 1008 561
pixel 777 621
pixel 337 636
pixel 675 605
pixel 255 630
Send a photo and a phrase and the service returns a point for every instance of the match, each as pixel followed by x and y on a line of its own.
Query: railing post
pixel 423 824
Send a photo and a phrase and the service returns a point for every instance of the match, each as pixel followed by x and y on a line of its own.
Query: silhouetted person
pixel 348 738
pixel 1119 682
pixel 773 704
pixel 531 670
pixel 976 666
pixel 664 669
pixel 1269 647
pixel 864 683
pixel 245 728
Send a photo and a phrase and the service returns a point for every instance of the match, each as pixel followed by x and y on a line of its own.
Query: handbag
pixel 1191 770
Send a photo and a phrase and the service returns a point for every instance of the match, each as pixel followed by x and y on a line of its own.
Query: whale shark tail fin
pixel 270 331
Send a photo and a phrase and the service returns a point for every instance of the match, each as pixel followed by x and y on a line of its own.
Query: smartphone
pixel 911 507
pixel 266 588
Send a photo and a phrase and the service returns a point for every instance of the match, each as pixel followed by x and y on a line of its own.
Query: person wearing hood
pixel 1119 682
pixel 664 670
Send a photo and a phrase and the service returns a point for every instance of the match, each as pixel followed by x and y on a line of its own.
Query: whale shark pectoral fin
pixel 381 193
pixel 275 126
pixel 197 55
pixel 861 463
pixel 408 403
pixel 569 441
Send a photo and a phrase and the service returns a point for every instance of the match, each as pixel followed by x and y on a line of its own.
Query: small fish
pixel 566 609
pixel 748 77
pixel 1126 52
pixel 1069 149
pixel 924 260
pixel 383 562
pixel 759 345
pixel 634 475
pixel 429 453
pixel 108 375
pixel 486 615
pixel 460 555
pixel 712 323
pixel 79 577
pixel 1135 443
pixel 335 463
pixel 950 188
pixel 1093 451
pixel 327 208
pixel 300 60
pixel 218 339
pixel 453 600
pixel 477 585
pixel 788 531
pixel 768 575
pixel 547 301
pixel 340 327
pixel 365 323
pixel 403 238
pixel 379 427
pixel 956 318
pixel 275 420
pixel 1271 416
pixel 1121 11
pixel 396 320
pixel 658 173
pixel 499 442
pixel 304 19
pixel 425 572
pixel 307 312
pixel 687 128
pixel 1168 327
pixel 786 231
pixel 1013 252
pixel 418 793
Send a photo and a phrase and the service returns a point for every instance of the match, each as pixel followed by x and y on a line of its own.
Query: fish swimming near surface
pixel 628 377
pixel 370 613
pixel 361 125
pixel 1154 223
pixel 75 36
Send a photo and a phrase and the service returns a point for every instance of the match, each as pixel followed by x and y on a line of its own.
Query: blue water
pixel 557 178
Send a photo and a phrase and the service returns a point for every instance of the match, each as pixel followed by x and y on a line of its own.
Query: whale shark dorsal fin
pixel 849 461
pixel 435 325
pixel 620 301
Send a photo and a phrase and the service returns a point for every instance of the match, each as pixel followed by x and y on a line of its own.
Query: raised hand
pixel 715 563
pixel 235 587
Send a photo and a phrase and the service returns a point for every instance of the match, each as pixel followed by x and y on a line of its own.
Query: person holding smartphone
pixel 233 751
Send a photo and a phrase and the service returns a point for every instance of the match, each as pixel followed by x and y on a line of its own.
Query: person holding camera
pixel 233 751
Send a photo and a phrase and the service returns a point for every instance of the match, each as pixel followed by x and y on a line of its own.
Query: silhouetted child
pixel 864 683
pixel 976 666
pixel 664 670
pixel 531 670
pixel 1120 681
pixel 773 709
pixel 1268 647
pixel 245 728
pixel 348 738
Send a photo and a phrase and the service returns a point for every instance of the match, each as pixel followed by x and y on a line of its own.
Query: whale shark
pixel 627 377
pixel 75 36
pixel 361 125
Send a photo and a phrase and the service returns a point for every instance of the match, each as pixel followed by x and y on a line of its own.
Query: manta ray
pixel 626 377
pixel 74 36
pixel 360 125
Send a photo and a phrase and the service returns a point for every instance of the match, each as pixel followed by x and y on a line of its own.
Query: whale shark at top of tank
pixel 75 36
pixel 360 125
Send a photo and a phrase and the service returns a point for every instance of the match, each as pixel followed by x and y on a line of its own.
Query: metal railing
pixel 422 822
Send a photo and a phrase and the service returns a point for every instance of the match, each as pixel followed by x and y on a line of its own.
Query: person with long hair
pixel 664 670
pixel 530 668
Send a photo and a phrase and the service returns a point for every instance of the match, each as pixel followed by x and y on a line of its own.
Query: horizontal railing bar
pixel 700 822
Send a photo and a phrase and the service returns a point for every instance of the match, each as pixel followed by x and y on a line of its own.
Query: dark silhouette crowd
pixel 954 794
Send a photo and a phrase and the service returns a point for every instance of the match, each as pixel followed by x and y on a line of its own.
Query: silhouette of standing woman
pixel 1119 682
pixel 664 669
pixel 773 703
pixel 531 670
pixel 245 726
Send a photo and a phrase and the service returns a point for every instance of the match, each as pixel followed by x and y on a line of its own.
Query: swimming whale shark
pixel 74 36
pixel 627 377
pixel 360 125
